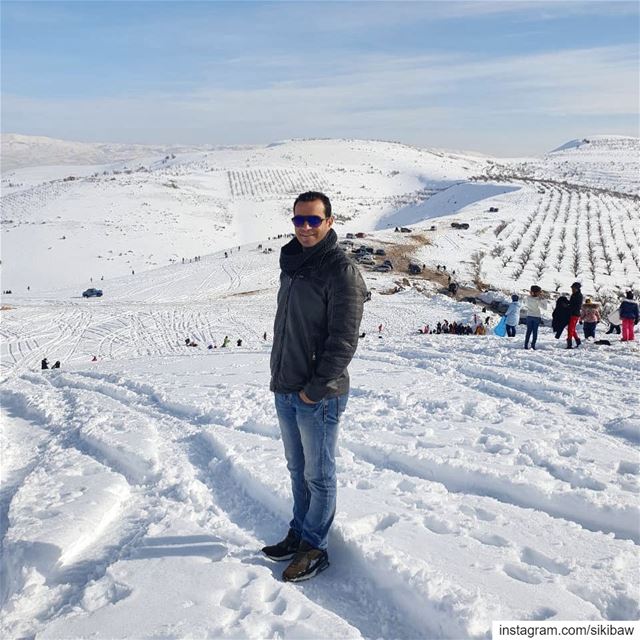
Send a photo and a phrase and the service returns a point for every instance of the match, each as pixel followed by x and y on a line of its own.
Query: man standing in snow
pixel 315 335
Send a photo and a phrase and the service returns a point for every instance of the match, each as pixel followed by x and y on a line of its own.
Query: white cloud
pixel 374 96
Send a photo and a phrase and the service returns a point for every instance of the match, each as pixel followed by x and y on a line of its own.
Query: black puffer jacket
pixel 575 303
pixel 317 323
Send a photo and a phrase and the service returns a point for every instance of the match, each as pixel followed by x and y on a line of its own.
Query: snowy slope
pixel 157 210
pixel 605 162
pixel 35 151
pixel 477 481
pixel 84 223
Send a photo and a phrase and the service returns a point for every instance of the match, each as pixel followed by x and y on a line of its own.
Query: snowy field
pixel 477 481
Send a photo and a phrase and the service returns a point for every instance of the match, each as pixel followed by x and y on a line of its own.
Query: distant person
pixel 590 316
pixel 187 342
pixel 629 317
pixel 614 321
pixel 575 307
pixel 225 342
pixel 56 364
pixel 44 364
pixel 94 359
pixel 512 315
pixel 560 316
pixel 264 335
pixel 535 306
pixel 380 327
pixel 239 342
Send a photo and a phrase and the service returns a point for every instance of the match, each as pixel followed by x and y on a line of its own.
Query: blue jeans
pixel 309 434
pixel 532 330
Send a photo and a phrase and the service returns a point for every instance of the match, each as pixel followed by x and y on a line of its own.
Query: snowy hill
pixel 37 151
pixel 477 481
pixel 96 222
pixel 605 162
pixel 89 222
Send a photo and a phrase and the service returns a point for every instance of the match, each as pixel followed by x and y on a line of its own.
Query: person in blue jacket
pixel 512 315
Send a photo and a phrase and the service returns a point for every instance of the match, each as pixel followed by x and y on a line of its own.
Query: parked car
pixel 405 230
pixel 350 236
pixel 388 263
pixel 380 252
pixel 92 293
pixel 366 260
pixel 463 225
pixel 385 268
pixel 493 209
pixel 361 234
pixel 432 228
pixel 455 225
pixel 414 268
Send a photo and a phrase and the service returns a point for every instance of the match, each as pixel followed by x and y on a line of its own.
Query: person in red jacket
pixel 575 306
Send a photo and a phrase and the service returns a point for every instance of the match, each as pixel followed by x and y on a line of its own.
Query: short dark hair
pixel 629 295
pixel 310 196
pixel 535 289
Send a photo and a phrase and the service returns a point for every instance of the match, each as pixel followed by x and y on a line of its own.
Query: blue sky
pixel 509 78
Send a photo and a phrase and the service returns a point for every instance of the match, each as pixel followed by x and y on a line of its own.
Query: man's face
pixel 307 235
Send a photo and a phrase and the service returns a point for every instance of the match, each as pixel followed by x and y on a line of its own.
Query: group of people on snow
pixel 476 327
pixel 567 314
pixel 188 342
pixel 44 364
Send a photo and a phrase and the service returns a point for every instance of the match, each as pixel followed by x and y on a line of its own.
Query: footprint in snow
pixel 439 526
pixel 521 573
pixel 535 558
pixel 492 540
pixel 479 513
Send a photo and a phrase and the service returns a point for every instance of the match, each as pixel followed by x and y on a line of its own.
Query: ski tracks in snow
pixel 213 465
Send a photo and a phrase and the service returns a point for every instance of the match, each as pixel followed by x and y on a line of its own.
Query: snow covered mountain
pixel 477 481
pixel 91 222
pixel 19 151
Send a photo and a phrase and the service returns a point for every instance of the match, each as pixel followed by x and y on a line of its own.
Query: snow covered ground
pixel 477 481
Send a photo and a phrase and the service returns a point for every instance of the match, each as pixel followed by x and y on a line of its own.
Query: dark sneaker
pixel 285 549
pixel 306 563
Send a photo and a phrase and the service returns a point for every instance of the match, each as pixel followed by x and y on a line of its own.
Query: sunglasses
pixel 313 221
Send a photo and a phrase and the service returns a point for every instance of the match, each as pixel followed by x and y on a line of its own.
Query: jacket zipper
pixel 284 326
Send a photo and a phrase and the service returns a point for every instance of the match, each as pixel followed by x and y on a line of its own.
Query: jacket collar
pixel 293 257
